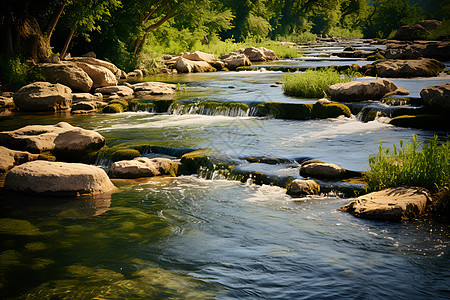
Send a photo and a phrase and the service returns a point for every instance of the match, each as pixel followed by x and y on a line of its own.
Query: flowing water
pixel 192 238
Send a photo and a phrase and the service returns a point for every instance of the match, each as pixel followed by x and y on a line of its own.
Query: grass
pixel 416 164
pixel 302 37
pixel 312 83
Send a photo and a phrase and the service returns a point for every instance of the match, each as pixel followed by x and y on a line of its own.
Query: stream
pixel 191 238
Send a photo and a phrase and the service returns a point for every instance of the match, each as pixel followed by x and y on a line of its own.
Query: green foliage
pixel 113 108
pixel 389 15
pixel 301 37
pixel 122 102
pixel 16 72
pixel 415 164
pixel 311 83
pixel 440 33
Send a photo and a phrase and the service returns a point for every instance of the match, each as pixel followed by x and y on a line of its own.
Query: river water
pixel 192 238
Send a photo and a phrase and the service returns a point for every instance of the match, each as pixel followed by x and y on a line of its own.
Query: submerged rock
pixel 143 167
pixel 393 204
pixel 300 187
pixel 359 91
pixel 18 227
pixel 426 121
pixel 322 170
pixel 43 96
pixel 57 178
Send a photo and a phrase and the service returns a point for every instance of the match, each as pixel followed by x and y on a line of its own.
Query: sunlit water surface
pixel 192 238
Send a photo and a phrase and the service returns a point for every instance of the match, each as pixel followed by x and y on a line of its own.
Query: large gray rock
pixel 393 204
pixel 10 158
pixel 424 67
pixel 322 170
pixel 67 74
pixel 97 62
pixel 100 76
pixel 301 187
pixel 407 50
pixel 184 65
pixel 234 61
pixel 410 32
pixel 437 97
pixel 43 96
pixel 57 178
pixel 199 56
pixel 143 167
pixel 63 139
pixel 359 91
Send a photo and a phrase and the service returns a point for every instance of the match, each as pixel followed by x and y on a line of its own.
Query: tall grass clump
pixel 301 37
pixel 416 164
pixel 312 83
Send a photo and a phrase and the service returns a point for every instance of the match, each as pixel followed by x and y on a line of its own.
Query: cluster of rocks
pixel 198 61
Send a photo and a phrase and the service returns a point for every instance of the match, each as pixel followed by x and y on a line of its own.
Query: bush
pixel 408 166
pixel 311 83
pixel 16 72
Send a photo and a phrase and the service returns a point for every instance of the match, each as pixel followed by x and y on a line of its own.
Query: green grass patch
pixel 302 37
pixel 312 83
pixel 416 164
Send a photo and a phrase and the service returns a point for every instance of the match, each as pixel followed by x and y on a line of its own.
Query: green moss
pixel 434 122
pixel 10 226
pixel 330 110
pixel 47 155
pixel 118 153
pixel 375 56
pixel 293 111
pixel 122 102
pixel 162 106
pixel 113 108
pixel 192 162
pixel 245 68
pixel 367 114
pixel 137 105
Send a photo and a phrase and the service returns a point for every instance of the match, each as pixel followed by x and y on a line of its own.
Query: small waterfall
pixel 368 114
pixel 138 106
pixel 207 108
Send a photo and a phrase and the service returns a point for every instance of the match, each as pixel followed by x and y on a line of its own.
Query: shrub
pixel 411 165
pixel 311 83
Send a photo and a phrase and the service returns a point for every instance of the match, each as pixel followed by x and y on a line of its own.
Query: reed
pixel 312 83
pixel 424 164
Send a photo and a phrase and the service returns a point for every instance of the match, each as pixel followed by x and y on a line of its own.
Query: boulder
pixel 100 76
pixel 236 60
pixel 360 91
pixel 6 102
pixel 393 204
pixel 85 97
pixel 135 74
pixel 437 97
pixel 410 32
pixel 254 54
pixel 184 65
pixel 149 88
pixel 10 158
pixel 301 187
pixel 97 62
pixel 57 178
pixel 87 106
pixel 67 74
pixel 426 121
pixel 121 74
pixel 269 54
pixel 428 49
pixel 424 67
pixel 143 167
pixel 62 139
pixel 199 56
pixel 43 96
pixel 430 24
pixel 322 170
pixel 121 91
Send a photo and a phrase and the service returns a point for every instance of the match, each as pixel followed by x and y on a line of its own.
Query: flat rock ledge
pixel 143 167
pixel 393 204
pixel 59 179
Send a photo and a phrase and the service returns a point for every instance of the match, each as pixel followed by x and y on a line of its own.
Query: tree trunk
pixel 66 44
pixel 54 20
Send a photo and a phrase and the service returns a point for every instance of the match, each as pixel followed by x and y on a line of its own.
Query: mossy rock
pixel 113 108
pixel 47 155
pixel 284 69
pixel 395 101
pixel 293 111
pixel 118 153
pixel 375 56
pixel 122 102
pixel 330 110
pixel 245 68
pixel 192 162
pixel 162 105
pixel 368 114
pixel 433 122
pixel 137 105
